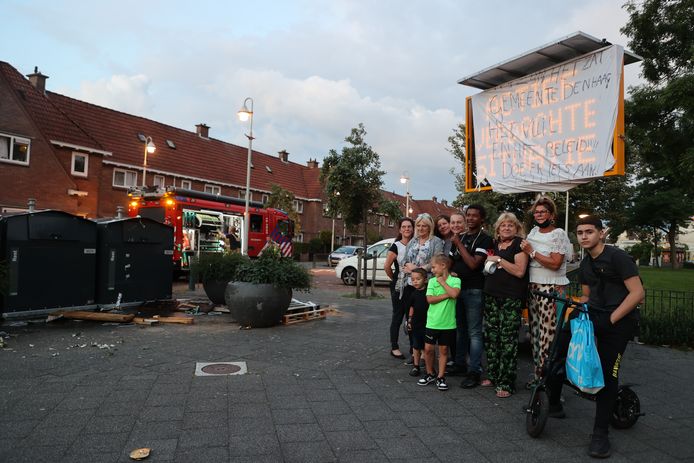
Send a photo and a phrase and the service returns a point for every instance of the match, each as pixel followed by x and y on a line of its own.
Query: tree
pixel 660 116
pixel 284 200
pixel 352 181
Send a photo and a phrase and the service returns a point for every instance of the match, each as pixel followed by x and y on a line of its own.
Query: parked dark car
pixel 341 253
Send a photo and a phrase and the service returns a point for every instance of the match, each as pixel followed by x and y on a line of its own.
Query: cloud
pixel 314 69
pixel 129 94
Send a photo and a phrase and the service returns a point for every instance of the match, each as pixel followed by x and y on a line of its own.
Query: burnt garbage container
pixel 48 260
pixel 134 261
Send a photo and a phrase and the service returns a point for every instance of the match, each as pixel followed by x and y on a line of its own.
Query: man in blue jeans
pixel 469 251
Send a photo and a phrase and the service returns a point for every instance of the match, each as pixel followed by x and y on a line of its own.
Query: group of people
pixel 461 291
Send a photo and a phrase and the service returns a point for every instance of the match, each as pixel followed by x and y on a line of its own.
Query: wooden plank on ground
pixel 175 319
pixel 299 317
pixel 98 316
pixel 145 321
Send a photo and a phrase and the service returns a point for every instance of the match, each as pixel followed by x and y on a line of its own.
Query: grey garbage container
pixel 134 261
pixel 49 260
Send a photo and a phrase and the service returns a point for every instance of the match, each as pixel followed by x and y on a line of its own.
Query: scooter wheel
pixel 537 413
pixel 627 409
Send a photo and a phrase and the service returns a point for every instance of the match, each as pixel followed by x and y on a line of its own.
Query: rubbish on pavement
pixel 97 316
pixel 140 454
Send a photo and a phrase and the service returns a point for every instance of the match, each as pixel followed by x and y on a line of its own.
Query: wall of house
pixel 44 178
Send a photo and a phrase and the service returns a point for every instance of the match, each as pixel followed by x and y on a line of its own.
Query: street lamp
pixel 406 180
pixel 149 149
pixel 332 240
pixel 246 114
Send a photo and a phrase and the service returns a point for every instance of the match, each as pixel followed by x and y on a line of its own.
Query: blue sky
pixel 315 69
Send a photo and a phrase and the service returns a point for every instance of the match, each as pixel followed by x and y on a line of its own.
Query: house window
pixel 14 149
pixel 298 206
pixel 299 238
pixel 391 223
pixel 214 189
pixel 242 195
pixel 186 184
pixel 381 219
pixel 80 164
pixel 159 181
pixel 124 178
pixel 265 199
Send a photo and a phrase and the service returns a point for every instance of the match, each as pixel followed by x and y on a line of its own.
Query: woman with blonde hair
pixel 546 247
pixel 418 253
pixel 505 291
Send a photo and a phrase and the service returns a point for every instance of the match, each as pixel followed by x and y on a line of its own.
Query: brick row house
pixel 82 158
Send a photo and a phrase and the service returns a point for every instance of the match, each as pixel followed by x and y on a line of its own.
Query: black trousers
pixel 611 342
pixel 400 311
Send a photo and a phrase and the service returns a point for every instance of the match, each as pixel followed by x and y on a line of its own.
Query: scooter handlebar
pixel 581 306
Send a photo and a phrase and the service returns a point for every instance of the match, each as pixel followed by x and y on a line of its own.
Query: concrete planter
pixel 215 290
pixel 257 305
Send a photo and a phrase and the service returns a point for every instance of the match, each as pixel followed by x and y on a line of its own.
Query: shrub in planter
pixel 215 270
pixel 262 289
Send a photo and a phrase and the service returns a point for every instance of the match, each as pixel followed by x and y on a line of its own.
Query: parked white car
pixel 346 269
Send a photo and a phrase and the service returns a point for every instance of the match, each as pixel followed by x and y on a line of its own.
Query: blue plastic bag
pixel 583 367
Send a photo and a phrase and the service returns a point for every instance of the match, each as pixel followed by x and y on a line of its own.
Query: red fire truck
pixel 201 221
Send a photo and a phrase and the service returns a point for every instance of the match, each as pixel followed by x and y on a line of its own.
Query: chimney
pixel 119 212
pixel 284 156
pixel 312 164
pixel 38 80
pixel 444 202
pixel 32 204
pixel 433 198
pixel 203 130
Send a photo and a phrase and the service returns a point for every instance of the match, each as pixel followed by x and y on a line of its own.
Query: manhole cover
pixel 220 368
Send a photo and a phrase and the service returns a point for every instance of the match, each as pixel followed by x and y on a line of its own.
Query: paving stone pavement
pixel 319 391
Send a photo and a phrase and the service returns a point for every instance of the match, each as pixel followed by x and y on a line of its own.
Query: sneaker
pixel 556 411
pixel 441 384
pixel 410 361
pixel 414 371
pixel 472 380
pixel 427 380
pixel 599 446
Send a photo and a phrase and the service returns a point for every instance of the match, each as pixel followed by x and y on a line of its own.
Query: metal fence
pixel 667 318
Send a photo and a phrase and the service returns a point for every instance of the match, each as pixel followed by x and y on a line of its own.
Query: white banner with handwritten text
pixel 551 130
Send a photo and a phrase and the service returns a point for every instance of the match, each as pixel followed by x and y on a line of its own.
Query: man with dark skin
pixel 469 251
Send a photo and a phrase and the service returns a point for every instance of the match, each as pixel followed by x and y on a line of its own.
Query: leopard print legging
pixel 542 314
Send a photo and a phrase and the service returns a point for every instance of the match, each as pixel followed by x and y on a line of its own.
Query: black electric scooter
pixel 627 408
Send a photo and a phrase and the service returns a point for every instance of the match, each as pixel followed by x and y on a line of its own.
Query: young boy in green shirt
pixel 442 292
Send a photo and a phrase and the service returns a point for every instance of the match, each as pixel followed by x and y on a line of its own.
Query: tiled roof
pixel 194 156
pixel 419 206
pixel 66 119
pixel 69 120
pixel 49 119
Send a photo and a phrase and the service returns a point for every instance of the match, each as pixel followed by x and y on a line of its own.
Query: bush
pixel 298 249
pixel 272 268
pixel 217 266
pixel 315 245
